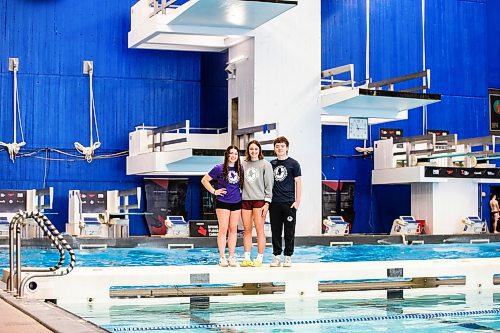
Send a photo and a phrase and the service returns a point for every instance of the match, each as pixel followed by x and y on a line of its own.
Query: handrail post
pixel 10 285
pixel 18 259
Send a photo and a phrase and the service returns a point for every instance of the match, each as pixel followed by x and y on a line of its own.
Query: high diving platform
pixel 178 284
pixel 444 174
pixel 341 99
pixel 182 150
pixel 199 25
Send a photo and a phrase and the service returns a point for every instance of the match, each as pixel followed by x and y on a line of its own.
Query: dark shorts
pixel 228 206
pixel 251 204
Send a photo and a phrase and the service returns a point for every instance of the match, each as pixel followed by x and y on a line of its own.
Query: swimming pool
pixel 422 313
pixel 445 313
pixel 148 256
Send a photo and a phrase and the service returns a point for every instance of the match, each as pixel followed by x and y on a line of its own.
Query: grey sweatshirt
pixel 259 180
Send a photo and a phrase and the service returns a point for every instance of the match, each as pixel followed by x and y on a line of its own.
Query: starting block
pixel 336 226
pixel 405 225
pixel 176 226
pixel 472 225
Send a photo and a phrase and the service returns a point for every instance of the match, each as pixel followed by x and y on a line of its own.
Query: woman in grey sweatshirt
pixel 256 196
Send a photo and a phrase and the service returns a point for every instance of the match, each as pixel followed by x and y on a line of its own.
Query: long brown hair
pixel 247 151
pixel 237 165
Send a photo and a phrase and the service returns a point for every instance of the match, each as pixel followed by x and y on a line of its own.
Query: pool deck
pixel 354 239
pixel 18 316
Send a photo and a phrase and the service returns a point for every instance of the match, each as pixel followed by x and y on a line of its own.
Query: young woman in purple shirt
pixel 229 177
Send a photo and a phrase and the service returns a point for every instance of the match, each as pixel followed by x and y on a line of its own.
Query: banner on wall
pixel 94 201
pixel 164 197
pixel 494 106
pixel 438 132
pixel 12 201
pixel 386 133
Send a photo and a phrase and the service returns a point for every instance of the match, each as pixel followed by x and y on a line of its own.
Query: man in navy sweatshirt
pixel 286 200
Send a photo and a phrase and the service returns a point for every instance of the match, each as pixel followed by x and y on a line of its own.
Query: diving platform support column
pixel 444 204
pixel 277 80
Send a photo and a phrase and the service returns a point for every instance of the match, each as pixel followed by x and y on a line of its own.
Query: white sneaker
pixel 232 262
pixel 276 262
pixel 288 261
pixel 223 262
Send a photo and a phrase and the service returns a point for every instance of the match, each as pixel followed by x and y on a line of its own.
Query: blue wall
pixel 459 43
pixel 131 87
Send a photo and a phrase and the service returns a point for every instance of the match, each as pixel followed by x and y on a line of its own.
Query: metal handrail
pixel 247 133
pixel 161 7
pixel 398 79
pixel 174 128
pixel 15 246
pixel 349 68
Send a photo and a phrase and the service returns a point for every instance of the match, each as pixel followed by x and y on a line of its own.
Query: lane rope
pixel 310 322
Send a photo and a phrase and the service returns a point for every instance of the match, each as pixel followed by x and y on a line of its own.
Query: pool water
pixel 451 313
pixel 456 313
pixel 147 256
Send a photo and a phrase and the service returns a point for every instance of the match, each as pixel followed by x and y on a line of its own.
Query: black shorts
pixel 228 206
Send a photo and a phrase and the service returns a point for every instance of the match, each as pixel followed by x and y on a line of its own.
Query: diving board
pixel 344 98
pixel 360 102
pixel 200 25
pixel 181 150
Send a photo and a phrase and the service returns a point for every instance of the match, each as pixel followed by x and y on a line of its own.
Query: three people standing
pixel 250 188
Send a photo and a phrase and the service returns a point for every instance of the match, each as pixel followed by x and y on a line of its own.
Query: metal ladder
pixel 15 269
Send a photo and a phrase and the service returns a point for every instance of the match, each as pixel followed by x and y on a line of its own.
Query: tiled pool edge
pixel 49 315
pixel 209 242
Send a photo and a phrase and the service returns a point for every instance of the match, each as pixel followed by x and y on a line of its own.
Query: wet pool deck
pixel 17 316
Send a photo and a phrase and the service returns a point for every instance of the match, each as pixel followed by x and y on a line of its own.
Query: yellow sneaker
pixel 256 263
pixel 246 263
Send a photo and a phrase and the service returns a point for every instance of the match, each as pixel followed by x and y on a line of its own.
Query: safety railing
pixel 426 75
pixel 245 135
pixel 328 77
pixel 160 6
pixel 15 268
pixel 162 136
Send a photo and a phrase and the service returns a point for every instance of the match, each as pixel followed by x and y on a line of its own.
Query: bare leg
pixel 233 230
pixel 259 228
pixel 247 225
pixel 495 222
pixel 223 218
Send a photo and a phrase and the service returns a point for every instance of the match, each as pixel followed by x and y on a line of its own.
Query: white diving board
pixel 181 150
pixel 341 99
pixel 201 25
pixel 381 104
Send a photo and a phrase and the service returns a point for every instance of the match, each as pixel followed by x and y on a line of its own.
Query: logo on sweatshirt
pixel 280 173
pixel 232 177
pixel 251 174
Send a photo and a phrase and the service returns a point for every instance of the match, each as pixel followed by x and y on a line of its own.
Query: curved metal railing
pixel 15 247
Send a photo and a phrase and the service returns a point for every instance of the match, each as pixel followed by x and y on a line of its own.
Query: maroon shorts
pixel 250 204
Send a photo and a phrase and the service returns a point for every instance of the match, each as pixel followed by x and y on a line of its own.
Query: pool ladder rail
pixel 15 269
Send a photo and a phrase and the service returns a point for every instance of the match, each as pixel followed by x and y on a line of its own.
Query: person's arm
pixel 268 188
pixel 268 182
pixel 206 183
pixel 298 192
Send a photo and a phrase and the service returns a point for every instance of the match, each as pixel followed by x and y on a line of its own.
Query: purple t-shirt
pixel 232 186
